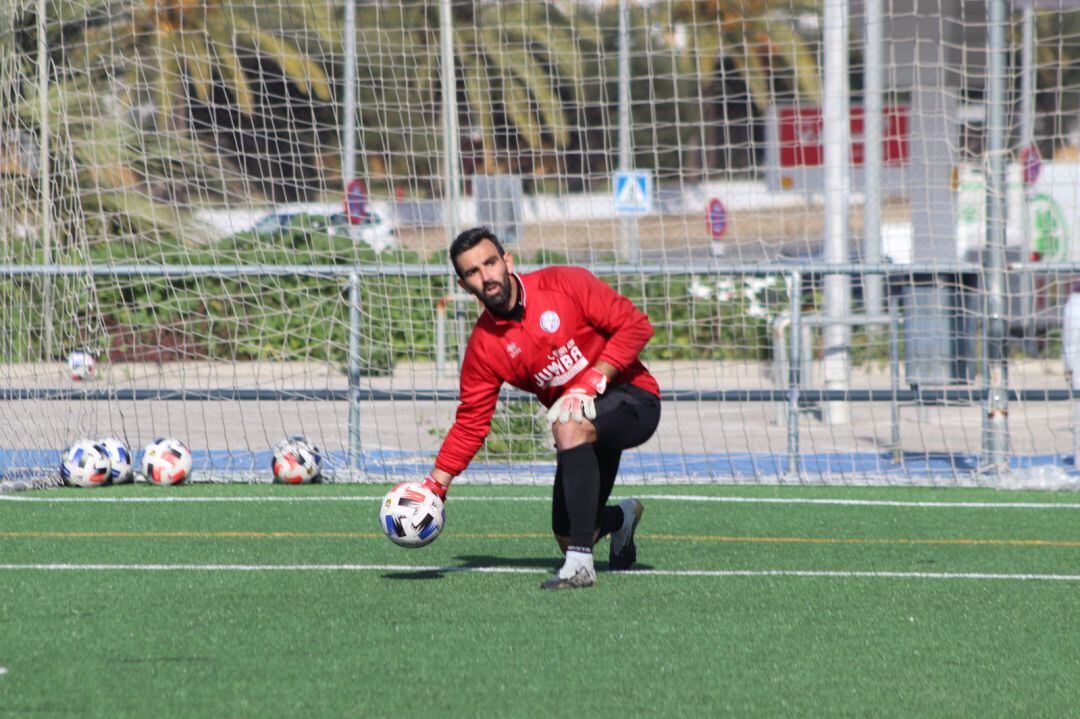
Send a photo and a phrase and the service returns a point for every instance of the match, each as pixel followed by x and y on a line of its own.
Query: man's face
pixel 487 275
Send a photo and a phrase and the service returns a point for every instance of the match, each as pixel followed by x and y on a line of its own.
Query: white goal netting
pixel 240 209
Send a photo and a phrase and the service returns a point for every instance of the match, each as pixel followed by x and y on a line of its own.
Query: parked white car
pixel 374 230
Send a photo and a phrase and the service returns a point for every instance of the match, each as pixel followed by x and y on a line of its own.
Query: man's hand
pixel 436 487
pixel 577 402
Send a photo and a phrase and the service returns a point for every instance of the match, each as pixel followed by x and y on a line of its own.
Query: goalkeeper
pixel 568 338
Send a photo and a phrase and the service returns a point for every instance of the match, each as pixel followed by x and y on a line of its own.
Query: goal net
pixel 240 210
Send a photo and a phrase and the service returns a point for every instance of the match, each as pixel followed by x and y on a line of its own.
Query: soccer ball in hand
pixel 411 515
pixel 166 461
pixel 85 464
pixel 81 363
pixel 122 469
pixel 296 461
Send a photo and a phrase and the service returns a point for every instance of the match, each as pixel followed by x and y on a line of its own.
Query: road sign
pixel 717 216
pixel 1031 162
pixel 633 192
pixel 355 200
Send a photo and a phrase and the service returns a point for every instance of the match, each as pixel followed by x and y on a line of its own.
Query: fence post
pixel 894 379
pixel 872 154
pixel 629 242
pixel 451 170
pixel 794 365
pixel 995 429
pixel 354 372
pixel 45 178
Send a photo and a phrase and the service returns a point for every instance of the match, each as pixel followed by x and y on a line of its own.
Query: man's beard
pixel 498 300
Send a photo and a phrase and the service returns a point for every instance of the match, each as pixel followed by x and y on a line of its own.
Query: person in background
pixel 1070 350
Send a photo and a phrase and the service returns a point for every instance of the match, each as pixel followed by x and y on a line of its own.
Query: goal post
pixel 241 210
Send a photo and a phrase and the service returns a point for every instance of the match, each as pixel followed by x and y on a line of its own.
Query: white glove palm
pixel 579 401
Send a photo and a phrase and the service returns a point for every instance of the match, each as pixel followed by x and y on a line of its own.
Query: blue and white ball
pixel 122 466
pixel 296 461
pixel 85 464
pixel 411 515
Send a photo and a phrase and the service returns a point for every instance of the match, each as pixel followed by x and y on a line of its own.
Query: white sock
pixel 574 561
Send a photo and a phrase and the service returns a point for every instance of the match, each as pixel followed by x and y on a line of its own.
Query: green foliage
pixel 731 323
pixel 519 433
pixel 304 317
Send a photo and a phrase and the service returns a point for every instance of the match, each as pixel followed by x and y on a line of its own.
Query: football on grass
pixel 121 468
pixel 85 464
pixel 166 460
pixel 411 515
pixel 296 461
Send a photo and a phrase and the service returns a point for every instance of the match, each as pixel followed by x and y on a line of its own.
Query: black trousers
pixel 626 416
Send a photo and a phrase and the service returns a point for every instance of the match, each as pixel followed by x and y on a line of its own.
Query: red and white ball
pixel 411 515
pixel 166 460
pixel 296 461
pixel 85 464
pixel 81 364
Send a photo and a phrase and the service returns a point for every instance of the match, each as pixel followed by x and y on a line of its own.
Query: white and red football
pixel 296 461
pixel 166 460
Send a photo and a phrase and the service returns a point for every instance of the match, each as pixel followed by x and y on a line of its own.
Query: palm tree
pixel 744 57
pixel 192 99
pixel 209 85
pixel 520 71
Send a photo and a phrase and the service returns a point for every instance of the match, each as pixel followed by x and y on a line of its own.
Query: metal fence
pixel 789 351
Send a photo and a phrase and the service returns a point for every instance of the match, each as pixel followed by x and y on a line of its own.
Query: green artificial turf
pixel 392 632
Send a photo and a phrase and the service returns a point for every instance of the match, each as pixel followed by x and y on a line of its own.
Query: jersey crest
pixel 549 322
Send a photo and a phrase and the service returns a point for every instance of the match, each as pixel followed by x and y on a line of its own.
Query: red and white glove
pixel 578 401
pixel 436 487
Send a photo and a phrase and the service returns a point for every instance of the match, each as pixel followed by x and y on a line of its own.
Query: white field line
pixel 495 498
pixel 807 573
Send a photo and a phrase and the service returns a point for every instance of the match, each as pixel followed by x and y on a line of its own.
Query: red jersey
pixel 571 320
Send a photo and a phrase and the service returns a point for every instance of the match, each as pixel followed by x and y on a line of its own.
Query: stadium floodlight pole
pixel 872 154
pixel 45 170
pixel 348 112
pixel 837 138
pixel 995 429
pixel 628 225
pixel 451 159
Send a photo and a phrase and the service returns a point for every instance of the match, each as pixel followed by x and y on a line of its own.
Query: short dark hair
pixel 469 239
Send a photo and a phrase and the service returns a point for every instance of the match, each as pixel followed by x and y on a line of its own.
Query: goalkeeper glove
pixel 577 402
pixel 436 487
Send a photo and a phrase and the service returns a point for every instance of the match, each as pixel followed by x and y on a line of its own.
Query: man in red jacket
pixel 568 338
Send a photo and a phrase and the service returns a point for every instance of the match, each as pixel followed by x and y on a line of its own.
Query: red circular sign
pixel 355 200
pixel 717 217
pixel 1031 162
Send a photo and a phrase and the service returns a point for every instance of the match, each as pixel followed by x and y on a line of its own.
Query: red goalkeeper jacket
pixel 571 320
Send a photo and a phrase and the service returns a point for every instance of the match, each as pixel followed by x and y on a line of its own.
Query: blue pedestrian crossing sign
pixel 633 192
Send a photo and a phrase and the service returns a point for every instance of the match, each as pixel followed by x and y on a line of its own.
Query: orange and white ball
pixel 167 461
pixel 296 461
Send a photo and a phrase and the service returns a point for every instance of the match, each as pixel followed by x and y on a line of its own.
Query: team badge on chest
pixel 549 321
